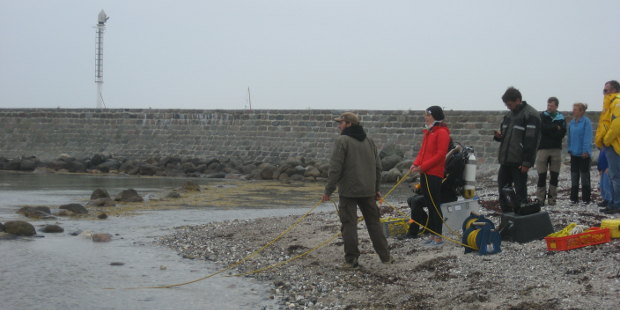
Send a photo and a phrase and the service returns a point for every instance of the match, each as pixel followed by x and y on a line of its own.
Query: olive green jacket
pixel 355 168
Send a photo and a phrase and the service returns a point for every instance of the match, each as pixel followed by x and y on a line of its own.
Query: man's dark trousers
pixel 512 175
pixel 348 217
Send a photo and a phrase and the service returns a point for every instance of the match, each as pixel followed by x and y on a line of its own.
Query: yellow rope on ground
pixel 256 252
pixel 249 256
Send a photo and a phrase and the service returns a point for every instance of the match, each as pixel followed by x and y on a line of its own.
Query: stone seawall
pixel 261 135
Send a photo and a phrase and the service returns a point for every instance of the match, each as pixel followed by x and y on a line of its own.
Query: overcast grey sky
pixel 321 54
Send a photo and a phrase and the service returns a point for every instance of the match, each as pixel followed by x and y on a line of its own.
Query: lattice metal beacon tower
pixel 101 19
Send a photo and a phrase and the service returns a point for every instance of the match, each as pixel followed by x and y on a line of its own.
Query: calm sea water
pixel 60 271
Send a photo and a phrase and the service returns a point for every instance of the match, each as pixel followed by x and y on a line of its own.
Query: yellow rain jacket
pixel 611 122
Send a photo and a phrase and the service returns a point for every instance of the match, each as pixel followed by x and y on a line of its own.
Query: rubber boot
pixel 540 194
pixel 553 193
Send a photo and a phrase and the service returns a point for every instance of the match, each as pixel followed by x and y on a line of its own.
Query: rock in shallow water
pixel 52 229
pixel 101 202
pixel 101 237
pixel 99 193
pixel 35 212
pixel 75 208
pixel 19 228
pixel 129 195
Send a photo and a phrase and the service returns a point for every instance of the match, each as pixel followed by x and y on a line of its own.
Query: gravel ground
pixel 522 276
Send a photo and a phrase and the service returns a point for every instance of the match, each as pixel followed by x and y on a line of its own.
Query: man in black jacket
pixel 553 130
pixel 519 134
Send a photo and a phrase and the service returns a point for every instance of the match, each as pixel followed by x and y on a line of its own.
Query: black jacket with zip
pixel 520 131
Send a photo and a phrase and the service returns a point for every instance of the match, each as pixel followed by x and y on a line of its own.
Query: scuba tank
pixel 469 190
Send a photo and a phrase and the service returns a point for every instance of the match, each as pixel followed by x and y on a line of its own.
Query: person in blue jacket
pixel 580 150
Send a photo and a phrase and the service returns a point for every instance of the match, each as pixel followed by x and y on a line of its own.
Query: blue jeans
pixel 605 187
pixel 613 160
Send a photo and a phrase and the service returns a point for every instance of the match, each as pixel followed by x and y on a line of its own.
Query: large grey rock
pixel 404 165
pixel 189 167
pixel 324 167
pixel 129 195
pixel 130 167
pixel 390 176
pixel 52 229
pixel 215 165
pixel 98 159
pixel 35 212
pixel 99 193
pixel 101 202
pixel 312 171
pixel 170 161
pixel 110 164
pixel 75 208
pixel 57 164
pixel 75 166
pixel 297 177
pixel 248 168
pixel 101 237
pixel 265 171
pixel 294 161
pixel 19 228
pixel 147 169
pixel 13 164
pixel 28 163
pixel 1 227
pixel 390 162
pixel 391 149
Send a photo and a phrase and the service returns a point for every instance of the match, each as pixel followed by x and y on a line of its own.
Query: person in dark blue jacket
pixel 580 150
pixel 549 155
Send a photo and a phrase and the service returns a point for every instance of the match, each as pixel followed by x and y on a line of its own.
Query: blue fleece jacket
pixel 580 137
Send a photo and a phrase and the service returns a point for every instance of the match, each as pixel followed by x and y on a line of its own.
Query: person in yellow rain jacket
pixel 608 140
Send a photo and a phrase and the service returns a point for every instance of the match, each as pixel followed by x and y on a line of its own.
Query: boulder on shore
pixel 129 195
pixel 101 202
pixel 390 176
pixel 35 212
pixel 52 229
pixel 28 163
pixel 312 171
pixel 390 162
pixel 265 171
pixel 99 193
pixel 75 208
pixel 101 237
pixel 19 228
pixel 391 149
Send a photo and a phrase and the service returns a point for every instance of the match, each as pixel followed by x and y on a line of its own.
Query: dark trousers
pixel 347 212
pixel 580 169
pixel 511 175
pixel 431 190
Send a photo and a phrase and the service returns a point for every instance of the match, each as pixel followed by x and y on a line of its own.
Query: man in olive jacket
pixel 519 136
pixel 355 168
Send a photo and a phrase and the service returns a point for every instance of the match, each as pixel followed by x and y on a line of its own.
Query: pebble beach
pixel 522 276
